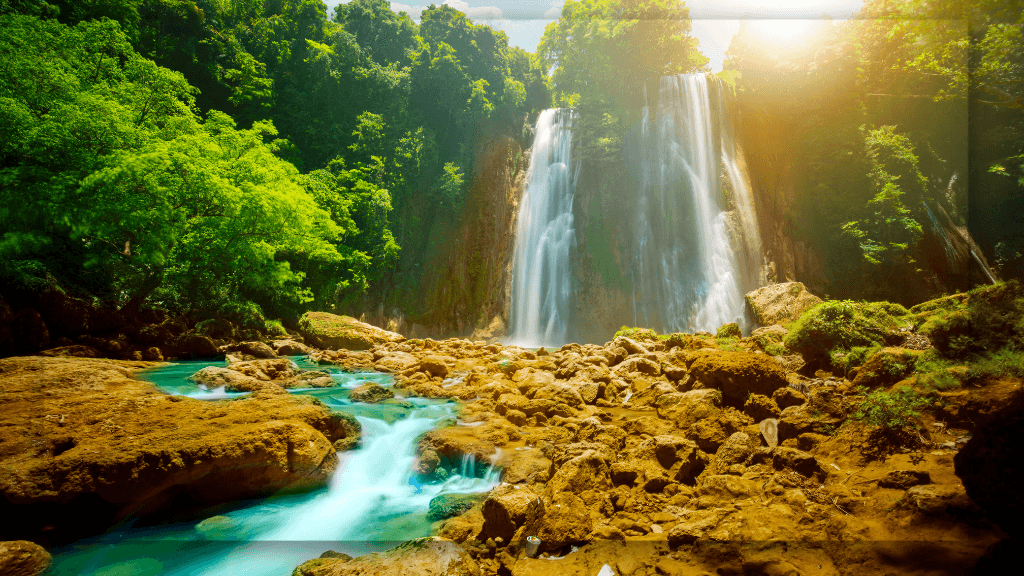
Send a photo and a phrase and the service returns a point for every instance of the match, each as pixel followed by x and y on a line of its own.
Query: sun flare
pixel 782 32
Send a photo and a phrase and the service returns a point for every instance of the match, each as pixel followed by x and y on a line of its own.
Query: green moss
pixel 275 328
pixel 842 325
pixel 846 360
pixel 978 323
pixel 892 411
pixel 730 344
pixel 638 334
pixel 730 330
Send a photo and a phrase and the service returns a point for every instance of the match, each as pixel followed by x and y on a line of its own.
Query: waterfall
pixel 696 247
pixel 545 234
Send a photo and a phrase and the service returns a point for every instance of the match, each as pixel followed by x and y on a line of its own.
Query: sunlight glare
pixel 782 32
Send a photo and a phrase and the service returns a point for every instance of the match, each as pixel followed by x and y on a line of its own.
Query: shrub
pixel 893 411
pixel 275 328
pixel 846 360
pixel 729 344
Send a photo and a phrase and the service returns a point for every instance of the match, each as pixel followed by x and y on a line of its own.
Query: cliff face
pixel 767 149
pixel 464 270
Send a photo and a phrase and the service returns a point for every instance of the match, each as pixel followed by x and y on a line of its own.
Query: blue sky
pixel 714 21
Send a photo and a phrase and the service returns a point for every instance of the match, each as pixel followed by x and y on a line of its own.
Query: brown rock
pixel 370 393
pixel 254 349
pixel 421 557
pixel 780 303
pixel 290 348
pixel 737 374
pixel 588 471
pixel 435 365
pixel 903 479
pixel 565 520
pixel 23 558
pixel 76 351
pixel 330 331
pixel 72 458
pixel 505 510
pixel 786 397
pixel 760 407
pixel 396 362
pixel 192 345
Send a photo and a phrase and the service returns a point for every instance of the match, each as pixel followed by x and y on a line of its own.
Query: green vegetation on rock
pixel 842 325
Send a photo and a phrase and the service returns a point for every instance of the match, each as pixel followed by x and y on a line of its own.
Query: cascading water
pixel 545 234
pixel 693 253
pixel 372 502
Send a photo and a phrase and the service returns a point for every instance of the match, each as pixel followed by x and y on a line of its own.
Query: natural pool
pixel 372 502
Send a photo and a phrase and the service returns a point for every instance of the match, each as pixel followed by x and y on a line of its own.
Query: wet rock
pixel 737 374
pixel 370 393
pixel 903 479
pixel 254 349
pixel 445 506
pixel 780 303
pixel 421 557
pixel 232 380
pixel 133 456
pixel 23 558
pixel 290 348
pixel 330 331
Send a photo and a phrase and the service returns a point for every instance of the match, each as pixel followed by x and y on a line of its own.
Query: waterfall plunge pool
pixel 370 504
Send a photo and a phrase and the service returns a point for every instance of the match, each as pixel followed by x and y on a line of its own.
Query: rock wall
pixel 465 287
pixel 768 149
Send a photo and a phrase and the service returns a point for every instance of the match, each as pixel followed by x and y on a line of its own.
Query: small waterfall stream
pixel 541 276
pixel 372 502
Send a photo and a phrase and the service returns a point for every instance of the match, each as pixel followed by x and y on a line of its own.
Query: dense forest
pixel 256 159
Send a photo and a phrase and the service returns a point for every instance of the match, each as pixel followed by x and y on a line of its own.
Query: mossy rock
pixel 982 320
pixel 730 330
pixel 449 505
pixel 842 324
pixel 886 367
pixel 331 331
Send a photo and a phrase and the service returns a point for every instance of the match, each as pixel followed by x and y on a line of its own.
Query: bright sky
pixel 715 22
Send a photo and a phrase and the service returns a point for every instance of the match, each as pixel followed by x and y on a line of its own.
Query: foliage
pixel 846 360
pixel 840 324
pixel 892 411
pixel 729 330
pixel 985 320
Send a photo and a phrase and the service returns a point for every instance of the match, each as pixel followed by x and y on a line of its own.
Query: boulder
pixel 565 520
pixel 396 362
pixel 370 393
pixel 588 471
pixel 730 330
pixel 73 461
pixel 660 460
pixel 192 345
pixel 737 374
pixel 255 349
pixel 886 367
pixel 788 396
pixel 688 407
pixel 435 365
pixel 505 510
pixel 991 465
pixel 760 407
pixel 629 345
pixel 76 350
pixel 23 558
pixel 780 303
pixel 290 348
pixel 232 380
pixel 330 331
pixel 421 557
pixel 936 500
pixel 445 506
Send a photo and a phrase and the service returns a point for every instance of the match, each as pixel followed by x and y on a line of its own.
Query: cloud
pixel 556 10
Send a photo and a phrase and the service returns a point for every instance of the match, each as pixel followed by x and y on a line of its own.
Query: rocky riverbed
pixel 679 454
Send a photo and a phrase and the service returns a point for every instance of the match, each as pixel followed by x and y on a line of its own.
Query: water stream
pixel 372 502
